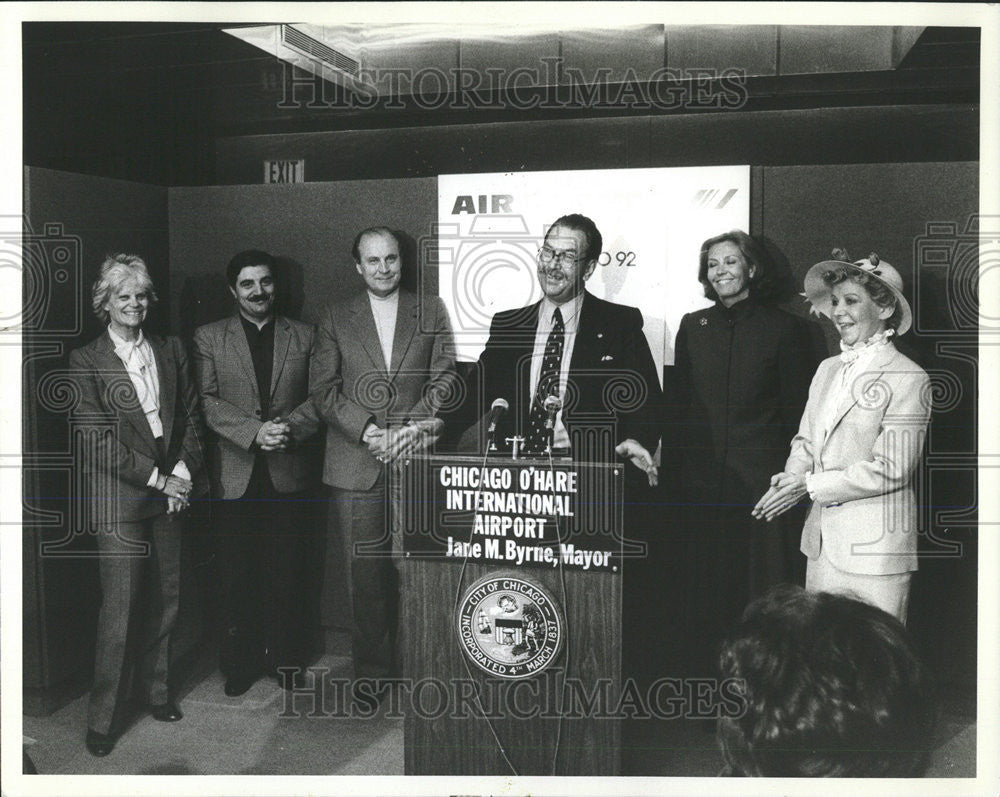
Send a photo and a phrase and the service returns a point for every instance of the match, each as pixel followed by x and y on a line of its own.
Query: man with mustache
pixel 590 353
pixel 254 372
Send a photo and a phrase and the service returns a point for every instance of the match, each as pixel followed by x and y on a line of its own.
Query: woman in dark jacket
pixel 736 391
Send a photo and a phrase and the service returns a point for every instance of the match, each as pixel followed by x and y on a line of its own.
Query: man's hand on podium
pixel 640 457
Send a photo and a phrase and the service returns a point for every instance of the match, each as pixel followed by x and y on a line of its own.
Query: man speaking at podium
pixel 589 354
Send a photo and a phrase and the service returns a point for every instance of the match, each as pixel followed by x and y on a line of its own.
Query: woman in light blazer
pixel 859 441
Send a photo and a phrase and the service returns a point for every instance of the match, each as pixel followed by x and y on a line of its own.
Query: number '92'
pixel 617 259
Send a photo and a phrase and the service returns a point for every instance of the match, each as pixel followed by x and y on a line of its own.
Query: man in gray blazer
pixel 254 379
pixel 384 362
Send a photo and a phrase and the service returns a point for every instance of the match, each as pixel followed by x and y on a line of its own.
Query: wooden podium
pixel 477 706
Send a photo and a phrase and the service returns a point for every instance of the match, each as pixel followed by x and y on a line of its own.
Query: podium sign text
pixel 524 513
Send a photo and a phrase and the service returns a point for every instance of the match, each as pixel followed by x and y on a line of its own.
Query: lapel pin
pixel 704 322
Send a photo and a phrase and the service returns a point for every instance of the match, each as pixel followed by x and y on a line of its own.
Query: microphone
pixel 551 405
pixel 497 410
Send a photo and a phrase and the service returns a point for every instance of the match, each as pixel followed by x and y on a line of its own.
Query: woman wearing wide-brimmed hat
pixel 860 440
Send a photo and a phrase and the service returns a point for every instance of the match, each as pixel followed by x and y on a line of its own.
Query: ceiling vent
pixel 315 50
pixel 319 51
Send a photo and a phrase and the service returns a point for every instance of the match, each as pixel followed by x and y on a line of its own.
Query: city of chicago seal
pixel 509 625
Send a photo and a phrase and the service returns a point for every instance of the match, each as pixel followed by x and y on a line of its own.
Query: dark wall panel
pixel 881 207
pixel 308 227
pixel 106 215
pixel 876 134
pixel 886 208
pixel 422 151
pixel 872 134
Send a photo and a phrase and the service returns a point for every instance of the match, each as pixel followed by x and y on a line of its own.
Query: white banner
pixel 653 222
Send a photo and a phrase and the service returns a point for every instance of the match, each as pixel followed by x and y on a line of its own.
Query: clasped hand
pixel 177 491
pixel 388 445
pixel 786 490
pixel 274 435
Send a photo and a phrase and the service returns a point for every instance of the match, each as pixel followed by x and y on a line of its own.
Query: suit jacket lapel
pixel 521 326
pixel 112 371
pixel 239 350
pixel 585 325
pixel 406 325
pixel 873 371
pixel 282 337
pixel 166 374
pixel 523 329
pixel 364 322
pixel 843 408
pixel 819 413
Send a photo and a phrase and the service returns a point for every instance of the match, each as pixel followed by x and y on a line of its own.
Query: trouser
pixel 140 577
pixel 362 519
pixel 261 543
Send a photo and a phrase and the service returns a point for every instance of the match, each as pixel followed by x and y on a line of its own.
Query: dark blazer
pixel 124 461
pixel 232 406
pixel 353 387
pixel 612 379
pixel 735 396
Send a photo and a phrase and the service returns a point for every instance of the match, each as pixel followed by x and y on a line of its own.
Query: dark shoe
pixel 166 712
pixel 99 744
pixel 239 682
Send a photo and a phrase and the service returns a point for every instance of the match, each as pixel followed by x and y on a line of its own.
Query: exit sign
pixel 285 171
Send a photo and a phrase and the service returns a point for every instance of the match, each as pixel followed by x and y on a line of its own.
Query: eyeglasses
pixel 546 255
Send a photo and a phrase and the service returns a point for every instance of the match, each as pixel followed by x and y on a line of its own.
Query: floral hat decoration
pixel 818 293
